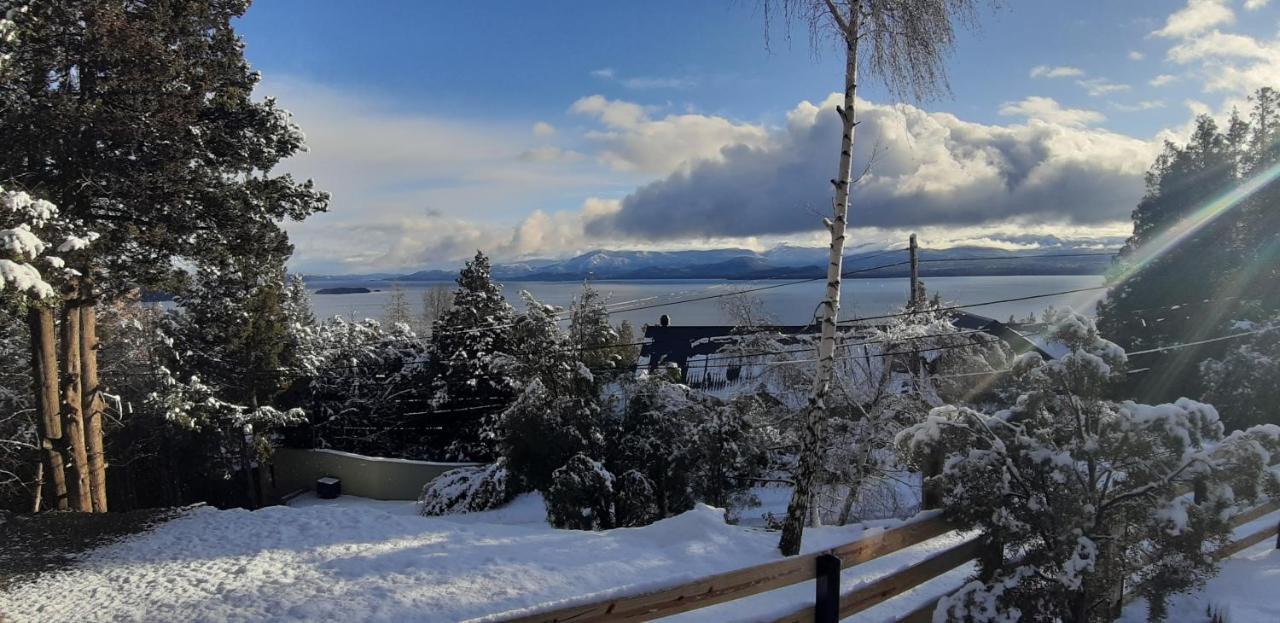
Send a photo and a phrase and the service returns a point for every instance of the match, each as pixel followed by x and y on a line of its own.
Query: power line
pixel 983 304
pixel 1222 338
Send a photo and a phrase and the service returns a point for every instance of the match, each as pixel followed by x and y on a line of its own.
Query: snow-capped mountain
pixel 785 261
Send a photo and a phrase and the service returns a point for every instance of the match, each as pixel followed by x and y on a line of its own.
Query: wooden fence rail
pixel 734 585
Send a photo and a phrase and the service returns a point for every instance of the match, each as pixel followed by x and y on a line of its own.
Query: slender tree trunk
pixel 72 415
pixel 39 488
pixel 44 371
pixel 92 401
pixel 811 434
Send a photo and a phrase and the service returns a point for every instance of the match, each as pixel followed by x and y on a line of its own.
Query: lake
pixel 791 304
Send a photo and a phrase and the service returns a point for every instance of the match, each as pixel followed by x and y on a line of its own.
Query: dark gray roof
pixel 678 343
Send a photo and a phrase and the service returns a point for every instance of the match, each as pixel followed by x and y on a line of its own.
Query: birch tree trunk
pixel 44 371
pixel 92 400
pixel 72 415
pixel 811 437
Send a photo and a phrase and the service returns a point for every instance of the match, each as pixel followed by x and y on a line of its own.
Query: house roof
pixel 676 344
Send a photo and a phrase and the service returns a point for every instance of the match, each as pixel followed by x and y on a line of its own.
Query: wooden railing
pixel 734 585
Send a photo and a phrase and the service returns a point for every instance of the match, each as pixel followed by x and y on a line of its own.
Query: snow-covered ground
pixel 353 559
pixel 1247 590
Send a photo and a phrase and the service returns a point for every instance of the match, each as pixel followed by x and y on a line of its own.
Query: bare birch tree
pixel 902 43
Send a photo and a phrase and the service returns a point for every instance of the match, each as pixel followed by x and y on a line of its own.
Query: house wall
pixel 366 476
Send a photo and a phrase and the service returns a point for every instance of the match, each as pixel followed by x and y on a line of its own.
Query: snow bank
pixel 360 560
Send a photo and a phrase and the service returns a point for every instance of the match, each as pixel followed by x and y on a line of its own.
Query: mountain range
pixel 781 262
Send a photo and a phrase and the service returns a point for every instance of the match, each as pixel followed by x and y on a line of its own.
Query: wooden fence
pixel 821 566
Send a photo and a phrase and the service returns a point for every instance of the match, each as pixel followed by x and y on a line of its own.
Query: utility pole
pixel 913 300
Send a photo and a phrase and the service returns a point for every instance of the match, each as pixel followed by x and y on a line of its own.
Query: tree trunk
pixel 72 416
pixel 92 401
pixel 39 488
pixel 44 371
pixel 811 437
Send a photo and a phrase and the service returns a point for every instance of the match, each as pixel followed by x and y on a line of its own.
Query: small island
pixel 343 291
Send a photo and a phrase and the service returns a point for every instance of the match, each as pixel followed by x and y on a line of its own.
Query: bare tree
pixel 746 311
pixel 902 43
pixel 436 300
pixel 396 310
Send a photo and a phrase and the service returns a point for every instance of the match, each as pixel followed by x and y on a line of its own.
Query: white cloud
pixel 1231 63
pixel 406 188
pixel 1162 80
pixel 1198 16
pixel 1135 55
pixel 633 141
pixel 932 169
pixel 542 129
pixel 640 83
pixel 551 153
pixel 1045 71
pixel 1048 109
pixel 1101 86
pixel 1254 5
pixel 1143 105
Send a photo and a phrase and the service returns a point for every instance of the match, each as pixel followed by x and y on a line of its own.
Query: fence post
pixel 826 607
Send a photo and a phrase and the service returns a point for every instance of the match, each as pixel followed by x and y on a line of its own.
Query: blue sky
pixel 441 127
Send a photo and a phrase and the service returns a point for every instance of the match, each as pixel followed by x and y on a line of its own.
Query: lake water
pixel 791 304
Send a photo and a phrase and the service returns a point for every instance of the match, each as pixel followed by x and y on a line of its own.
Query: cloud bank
pixel 926 169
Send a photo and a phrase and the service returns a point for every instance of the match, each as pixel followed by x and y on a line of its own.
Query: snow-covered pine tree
pixel 139 121
pixel 224 368
pixel 470 361
pixel 591 334
pixel 1081 493
pixel 556 415
pixel 31 275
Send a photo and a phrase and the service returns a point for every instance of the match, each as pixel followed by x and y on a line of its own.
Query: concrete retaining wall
pixel 365 476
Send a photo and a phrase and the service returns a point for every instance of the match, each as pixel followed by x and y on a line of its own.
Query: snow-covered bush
pixel 689 446
pixel 636 501
pixel 364 388
pixel 1082 493
pixel 467 490
pixel 581 496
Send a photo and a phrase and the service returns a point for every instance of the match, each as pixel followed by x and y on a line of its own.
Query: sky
pixel 546 129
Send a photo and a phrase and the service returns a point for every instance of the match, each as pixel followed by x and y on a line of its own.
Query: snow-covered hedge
pixel 581 496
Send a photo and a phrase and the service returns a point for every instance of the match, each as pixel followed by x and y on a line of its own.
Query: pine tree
pixel 470 359
pixel 556 414
pixel 224 368
pixel 138 120
pixel 590 332
pixel 1194 264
